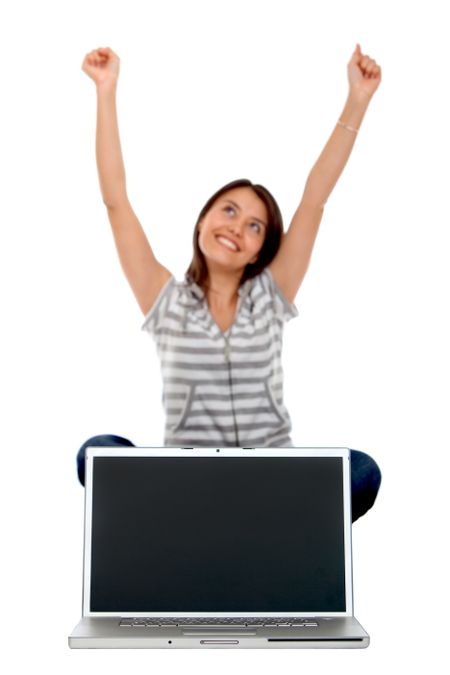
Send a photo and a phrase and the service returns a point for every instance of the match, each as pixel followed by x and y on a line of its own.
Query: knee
pixel 366 480
pixel 103 440
pixel 365 470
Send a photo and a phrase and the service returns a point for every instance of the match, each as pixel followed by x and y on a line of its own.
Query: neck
pixel 222 288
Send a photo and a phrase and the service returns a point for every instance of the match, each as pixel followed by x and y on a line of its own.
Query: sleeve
pixel 284 310
pixel 156 314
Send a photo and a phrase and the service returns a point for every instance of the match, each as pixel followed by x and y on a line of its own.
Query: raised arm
pixel 292 260
pixel 144 273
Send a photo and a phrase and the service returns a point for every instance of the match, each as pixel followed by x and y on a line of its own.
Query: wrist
pixel 358 99
pixel 354 110
pixel 107 88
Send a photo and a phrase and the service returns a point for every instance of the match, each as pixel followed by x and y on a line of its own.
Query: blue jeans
pixel 365 473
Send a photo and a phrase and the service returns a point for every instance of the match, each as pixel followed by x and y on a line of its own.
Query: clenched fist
pixel 102 65
pixel 364 74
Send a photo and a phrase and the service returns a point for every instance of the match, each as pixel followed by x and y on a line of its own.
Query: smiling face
pixel 224 209
pixel 232 232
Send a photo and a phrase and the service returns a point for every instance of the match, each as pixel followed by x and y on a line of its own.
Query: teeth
pixel 229 244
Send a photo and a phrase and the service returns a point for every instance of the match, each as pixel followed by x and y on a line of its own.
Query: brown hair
pixel 198 270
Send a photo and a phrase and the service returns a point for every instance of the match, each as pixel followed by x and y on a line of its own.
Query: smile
pixel 227 243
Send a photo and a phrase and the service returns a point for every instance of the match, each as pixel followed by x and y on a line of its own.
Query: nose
pixel 236 227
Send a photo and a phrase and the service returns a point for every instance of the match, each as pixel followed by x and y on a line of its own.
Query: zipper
pixel 227 359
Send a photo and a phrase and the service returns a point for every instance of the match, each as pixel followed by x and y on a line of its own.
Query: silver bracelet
pixel 347 127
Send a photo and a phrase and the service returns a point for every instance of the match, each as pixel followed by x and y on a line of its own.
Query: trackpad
pixel 218 631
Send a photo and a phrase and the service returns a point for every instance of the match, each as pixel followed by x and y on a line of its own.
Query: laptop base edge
pixel 98 634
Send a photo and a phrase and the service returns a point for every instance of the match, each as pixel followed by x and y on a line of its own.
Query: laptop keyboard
pixel 233 622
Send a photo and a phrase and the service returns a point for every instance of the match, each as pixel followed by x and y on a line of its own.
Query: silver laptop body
pixel 217 548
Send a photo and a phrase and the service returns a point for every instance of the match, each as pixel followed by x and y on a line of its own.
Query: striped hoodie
pixel 223 389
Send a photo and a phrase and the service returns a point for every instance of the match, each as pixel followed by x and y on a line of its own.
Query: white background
pixel 210 92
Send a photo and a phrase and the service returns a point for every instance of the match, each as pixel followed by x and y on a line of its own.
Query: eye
pixel 227 208
pixel 256 227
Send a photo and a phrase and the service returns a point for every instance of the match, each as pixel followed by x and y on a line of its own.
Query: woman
pixel 219 332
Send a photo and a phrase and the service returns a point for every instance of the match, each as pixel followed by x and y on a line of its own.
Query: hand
pixel 364 75
pixel 102 65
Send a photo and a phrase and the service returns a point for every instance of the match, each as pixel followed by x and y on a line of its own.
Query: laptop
pixel 217 548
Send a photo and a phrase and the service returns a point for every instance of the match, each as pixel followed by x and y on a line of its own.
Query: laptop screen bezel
pixel 92 452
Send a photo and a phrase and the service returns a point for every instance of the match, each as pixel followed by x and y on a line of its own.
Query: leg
pixel 104 440
pixel 366 480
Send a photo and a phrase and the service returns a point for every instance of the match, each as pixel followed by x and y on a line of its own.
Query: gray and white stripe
pixel 223 389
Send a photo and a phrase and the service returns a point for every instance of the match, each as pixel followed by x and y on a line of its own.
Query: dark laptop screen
pixel 217 534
